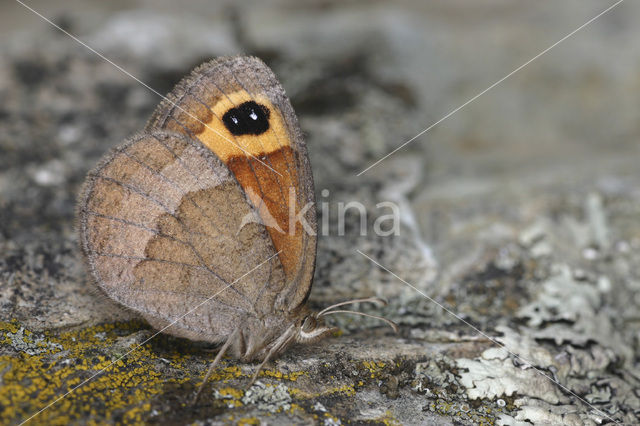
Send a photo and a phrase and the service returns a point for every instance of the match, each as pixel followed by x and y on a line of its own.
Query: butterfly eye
pixel 249 118
pixel 309 324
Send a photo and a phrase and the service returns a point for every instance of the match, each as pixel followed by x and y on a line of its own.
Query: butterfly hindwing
pixel 161 228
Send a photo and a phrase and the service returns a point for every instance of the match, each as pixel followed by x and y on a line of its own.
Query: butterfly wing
pixel 223 104
pixel 161 226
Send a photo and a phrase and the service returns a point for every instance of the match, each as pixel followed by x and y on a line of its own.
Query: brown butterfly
pixel 213 202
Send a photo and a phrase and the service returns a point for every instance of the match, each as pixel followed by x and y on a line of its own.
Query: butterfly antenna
pixel 388 321
pixel 350 302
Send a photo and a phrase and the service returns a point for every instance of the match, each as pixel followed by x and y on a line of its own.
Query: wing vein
pixel 189 244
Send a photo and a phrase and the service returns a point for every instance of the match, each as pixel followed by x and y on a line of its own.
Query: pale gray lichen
pixel 563 299
pixel 267 397
pixel 319 407
pixel 31 344
pixel 526 366
pixel 541 413
pixel 492 378
pixel 433 373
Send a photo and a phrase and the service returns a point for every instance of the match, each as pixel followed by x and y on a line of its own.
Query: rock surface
pixel 515 275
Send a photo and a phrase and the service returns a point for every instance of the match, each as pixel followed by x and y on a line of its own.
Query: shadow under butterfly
pixel 189 222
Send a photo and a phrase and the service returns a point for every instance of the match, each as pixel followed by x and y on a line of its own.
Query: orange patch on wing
pixel 271 196
pixel 265 168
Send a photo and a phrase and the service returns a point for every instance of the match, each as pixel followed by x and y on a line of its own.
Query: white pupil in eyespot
pixel 253 115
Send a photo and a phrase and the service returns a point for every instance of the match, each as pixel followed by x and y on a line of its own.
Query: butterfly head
pixel 311 327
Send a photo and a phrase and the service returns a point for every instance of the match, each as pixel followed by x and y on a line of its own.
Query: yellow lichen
pixel 373 367
pixel 91 382
pixel 389 419
pixel 334 419
pixel 108 379
pixel 347 390
pixel 293 376
pixel 299 394
pixel 231 392
pixel 11 327
pixel 248 421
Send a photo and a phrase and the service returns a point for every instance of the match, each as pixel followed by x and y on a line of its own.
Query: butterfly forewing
pixel 223 104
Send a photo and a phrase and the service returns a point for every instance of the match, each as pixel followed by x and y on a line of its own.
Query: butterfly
pixel 205 222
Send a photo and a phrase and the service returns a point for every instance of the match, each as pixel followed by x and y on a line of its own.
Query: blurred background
pixel 538 175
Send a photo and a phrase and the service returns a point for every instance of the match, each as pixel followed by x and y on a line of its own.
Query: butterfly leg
pixel 282 342
pixel 215 362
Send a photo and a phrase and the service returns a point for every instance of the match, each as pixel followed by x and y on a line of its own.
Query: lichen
pixel 373 367
pixel 78 367
pixel 267 397
pixel 23 340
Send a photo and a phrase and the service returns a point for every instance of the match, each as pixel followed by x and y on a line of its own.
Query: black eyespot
pixel 249 118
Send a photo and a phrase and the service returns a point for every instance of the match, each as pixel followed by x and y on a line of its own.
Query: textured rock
pixel 520 214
